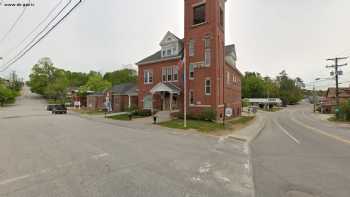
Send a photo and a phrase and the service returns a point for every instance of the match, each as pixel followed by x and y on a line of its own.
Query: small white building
pixel 264 101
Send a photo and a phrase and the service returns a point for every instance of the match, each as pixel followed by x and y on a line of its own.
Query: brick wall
pixel 156 68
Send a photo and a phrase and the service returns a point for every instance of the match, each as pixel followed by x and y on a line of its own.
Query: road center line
pixel 287 133
pixel 319 131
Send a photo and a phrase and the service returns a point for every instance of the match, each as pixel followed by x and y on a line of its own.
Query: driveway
pixel 69 156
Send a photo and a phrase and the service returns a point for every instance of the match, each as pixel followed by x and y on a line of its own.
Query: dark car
pixel 59 109
pixel 50 107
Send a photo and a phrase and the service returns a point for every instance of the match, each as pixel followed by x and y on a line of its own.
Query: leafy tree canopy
pixel 121 76
pixel 289 90
pixel 96 83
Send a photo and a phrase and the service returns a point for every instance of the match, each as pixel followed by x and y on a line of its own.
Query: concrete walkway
pixel 250 132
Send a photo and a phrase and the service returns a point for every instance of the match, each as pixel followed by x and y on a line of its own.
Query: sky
pixel 270 35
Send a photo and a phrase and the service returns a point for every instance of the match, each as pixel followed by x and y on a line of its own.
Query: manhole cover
pixel 299 194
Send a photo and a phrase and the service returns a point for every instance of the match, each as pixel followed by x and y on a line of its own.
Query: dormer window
pixel 170 45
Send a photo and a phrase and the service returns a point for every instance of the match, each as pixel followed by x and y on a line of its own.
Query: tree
pixel 6 95
pixel 271 88
pixel 289 90
pixel 42 75
pixel 121 76
pixel 47 80
pixel 57 89
pixel 290 93
pixel 96 83
pixel 253 85
pixel 76 79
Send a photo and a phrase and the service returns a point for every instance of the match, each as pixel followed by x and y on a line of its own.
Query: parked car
pixel 59 109
pixel 50 107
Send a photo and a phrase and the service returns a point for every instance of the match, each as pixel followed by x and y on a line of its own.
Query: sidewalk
pixel 249 133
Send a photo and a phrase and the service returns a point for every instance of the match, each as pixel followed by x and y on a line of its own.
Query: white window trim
pixel 175 68
pixel 164 74
pixel 191 48
pixel 150 72
pixel 207 59
pixel 169 72
pixel 194 102
pixel 165 70
pixel 205 87
pixel 228 79
pixel 189 73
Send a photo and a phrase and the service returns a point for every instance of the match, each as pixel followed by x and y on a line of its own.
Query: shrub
pixel 208 114
pixel 132 109
pixel 144 113
pixel 344 113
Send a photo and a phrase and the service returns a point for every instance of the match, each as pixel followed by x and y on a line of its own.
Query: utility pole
pixel 337 72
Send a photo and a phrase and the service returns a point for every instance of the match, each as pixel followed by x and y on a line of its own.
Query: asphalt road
pixel 298 155
pixel 44 155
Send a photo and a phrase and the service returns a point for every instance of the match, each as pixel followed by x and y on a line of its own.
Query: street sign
pixel 228 112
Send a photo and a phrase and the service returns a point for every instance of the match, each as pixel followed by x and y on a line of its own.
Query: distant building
pixel 121 98
pixel 328 103
pixel 261 102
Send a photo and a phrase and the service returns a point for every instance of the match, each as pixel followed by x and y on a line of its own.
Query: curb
pixel 260 121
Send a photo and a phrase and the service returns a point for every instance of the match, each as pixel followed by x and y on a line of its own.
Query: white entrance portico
pixel 169 95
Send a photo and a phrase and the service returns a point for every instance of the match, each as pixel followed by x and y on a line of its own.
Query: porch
pixel 168 97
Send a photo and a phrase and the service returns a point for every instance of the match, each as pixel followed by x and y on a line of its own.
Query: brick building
pixel 329 102
pixel 122 97
pixel 213 80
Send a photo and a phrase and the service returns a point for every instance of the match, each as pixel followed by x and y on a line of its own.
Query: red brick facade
pixel 208 84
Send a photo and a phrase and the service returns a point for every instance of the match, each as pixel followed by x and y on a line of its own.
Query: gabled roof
pixel 229 50
pixel 157 57
pixel 343 92
pixel 166 87
pixel 167 35
pixel 124 89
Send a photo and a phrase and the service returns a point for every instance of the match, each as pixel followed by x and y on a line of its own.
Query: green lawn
pixel 241 120
pixel 204 126
pixel 334 119
pixel 124 117
pixel 208 126
pixel 88 112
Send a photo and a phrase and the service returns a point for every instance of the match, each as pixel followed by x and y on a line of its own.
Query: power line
pixel 35 28
pixel 14 24
pixel 42 31
pixel 41 38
